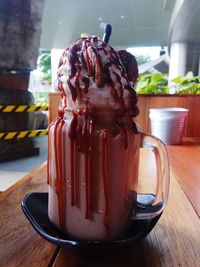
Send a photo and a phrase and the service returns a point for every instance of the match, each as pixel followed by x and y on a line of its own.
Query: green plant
pixel 188 84
pixel 44 65
pixel 155 83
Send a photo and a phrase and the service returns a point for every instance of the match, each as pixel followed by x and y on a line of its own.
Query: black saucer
pixel 35 207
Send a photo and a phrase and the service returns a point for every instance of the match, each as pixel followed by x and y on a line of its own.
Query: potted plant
pixel 188 84
pixel 154 91
pixel 155 83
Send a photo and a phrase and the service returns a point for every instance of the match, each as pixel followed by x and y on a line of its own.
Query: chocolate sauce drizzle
pixel 72 137
pixel 88 133
pixel 59 183
pixel 105 175
pixel 85 65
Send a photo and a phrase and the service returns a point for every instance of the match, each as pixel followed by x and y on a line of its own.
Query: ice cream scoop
pixel 92 72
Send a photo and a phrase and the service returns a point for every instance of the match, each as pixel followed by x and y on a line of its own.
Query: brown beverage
pixel 94 143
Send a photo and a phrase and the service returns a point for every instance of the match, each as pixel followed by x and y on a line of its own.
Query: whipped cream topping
pixel 91 71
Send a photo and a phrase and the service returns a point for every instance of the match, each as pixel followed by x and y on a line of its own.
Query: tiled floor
pixel 12 171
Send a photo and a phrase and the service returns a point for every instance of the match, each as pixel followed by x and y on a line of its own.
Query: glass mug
pixel 93 163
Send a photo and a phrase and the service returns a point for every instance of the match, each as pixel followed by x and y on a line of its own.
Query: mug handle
pixel 150 205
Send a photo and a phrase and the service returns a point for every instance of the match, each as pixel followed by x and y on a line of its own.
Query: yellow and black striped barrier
pixel 13 108
pixel 23 134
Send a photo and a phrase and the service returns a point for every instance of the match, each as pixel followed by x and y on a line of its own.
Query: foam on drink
pixel 91 70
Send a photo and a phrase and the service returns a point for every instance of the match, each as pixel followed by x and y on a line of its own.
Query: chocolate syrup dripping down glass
pixel 59 182
pixel 104 160
pixel 72 136
pixel 88 134
pixel 84 70
pixel 49 153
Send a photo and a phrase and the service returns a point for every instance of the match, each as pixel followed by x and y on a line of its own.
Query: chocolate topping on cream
pixel 91 71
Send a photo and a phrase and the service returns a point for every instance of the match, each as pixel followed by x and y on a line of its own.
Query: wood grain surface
pixel 20 245
pixel 175 240
pixel 185 162
pixel 143 106
pixel 145 102
pixel 193 127
pixel 54 102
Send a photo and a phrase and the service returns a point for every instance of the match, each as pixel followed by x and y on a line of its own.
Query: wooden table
pixel 175 240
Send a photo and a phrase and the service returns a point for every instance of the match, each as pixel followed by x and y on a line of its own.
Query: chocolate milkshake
pixel 94 143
